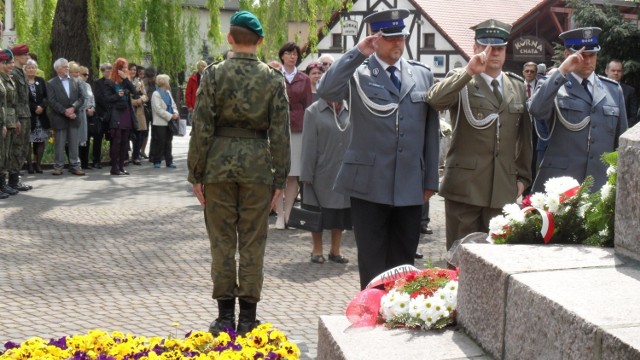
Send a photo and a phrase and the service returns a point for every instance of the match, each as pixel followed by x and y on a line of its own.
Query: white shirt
pixel 398 66
pixel 289 76
pixel 65 84
pixel 591 78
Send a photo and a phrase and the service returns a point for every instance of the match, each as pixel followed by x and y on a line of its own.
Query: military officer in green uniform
pixel 238 163
pixel 489 162
pixel 22 141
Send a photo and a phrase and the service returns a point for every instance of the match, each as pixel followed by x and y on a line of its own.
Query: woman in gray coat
pixel 325 137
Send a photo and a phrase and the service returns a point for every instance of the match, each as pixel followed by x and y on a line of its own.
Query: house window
pixel 336 41
pixel 429 41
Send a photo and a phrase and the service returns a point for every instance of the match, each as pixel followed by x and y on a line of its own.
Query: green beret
pixel 247 20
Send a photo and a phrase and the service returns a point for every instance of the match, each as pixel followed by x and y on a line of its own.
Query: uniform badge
pixel 376 71
pixel 409 71
pixel 587 33
pixel 395 15
pixel 480 116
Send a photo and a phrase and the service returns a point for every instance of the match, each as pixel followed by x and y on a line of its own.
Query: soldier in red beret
pixel 20 148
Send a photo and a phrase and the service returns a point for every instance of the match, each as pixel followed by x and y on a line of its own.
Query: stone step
pixel 337 340
pixel 550 302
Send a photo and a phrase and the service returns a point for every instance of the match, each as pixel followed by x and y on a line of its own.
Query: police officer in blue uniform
pixel 584 112
pixel 391 166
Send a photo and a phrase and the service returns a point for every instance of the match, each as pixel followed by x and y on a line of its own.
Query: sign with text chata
pixel 528 48
pixel 350 28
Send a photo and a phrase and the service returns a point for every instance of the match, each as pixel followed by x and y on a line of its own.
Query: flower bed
pixel 263 342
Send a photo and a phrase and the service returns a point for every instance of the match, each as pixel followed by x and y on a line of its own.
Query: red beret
pixel 5 55
pixel 20 49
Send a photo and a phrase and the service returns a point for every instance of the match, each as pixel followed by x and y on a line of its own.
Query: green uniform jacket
pixel 22 93
pixel 3 103
pixel 10 103
pixel 241 92
pixel 483 166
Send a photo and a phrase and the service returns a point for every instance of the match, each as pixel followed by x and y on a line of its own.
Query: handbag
pixel 182 127
pixel 303 219
pixel 174 127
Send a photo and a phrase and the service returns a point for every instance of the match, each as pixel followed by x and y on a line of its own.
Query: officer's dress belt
pixel 240 133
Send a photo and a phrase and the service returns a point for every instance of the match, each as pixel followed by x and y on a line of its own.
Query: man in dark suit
pixel 391 166
pixel 614 72
pixel 64 102
pixel 585 112
pixel 102 112
pixel 489 162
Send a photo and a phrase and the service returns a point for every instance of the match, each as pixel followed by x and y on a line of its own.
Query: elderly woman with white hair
pixel 39 119
pixel 164 109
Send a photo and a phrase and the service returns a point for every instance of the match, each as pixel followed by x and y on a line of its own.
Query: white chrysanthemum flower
pixel 497 225
pixel 388 304
pixel 605 191
pixel 418 308
pixel 400 305
pixel 553 204
pixel 538 200
pixel 611 170
pixel 558 185
pixel 448 294
pixel 582 210
pixel 440 309
pixel 513 213
pixel 604 232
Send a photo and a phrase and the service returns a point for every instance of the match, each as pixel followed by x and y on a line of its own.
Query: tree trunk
pixel 70 34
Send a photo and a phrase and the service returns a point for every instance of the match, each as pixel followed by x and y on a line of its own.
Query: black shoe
pixel 338 259
pixel 246 326
pixel 117 173
pixel 38 169
pixel 136 162
pixel 3 195
pixel 97 166
pixel 418 255
pixel 425 229
pixel 87 167
pixel 220 325
pixel 8 190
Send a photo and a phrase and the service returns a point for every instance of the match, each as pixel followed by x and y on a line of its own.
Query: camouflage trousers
pixel 19 149
pixel 3 152
pixel 7 149
pixel 236 217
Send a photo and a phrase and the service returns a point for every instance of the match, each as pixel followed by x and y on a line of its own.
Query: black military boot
pixel 226 317
pixel 247 318
pixel 14 182
pixel 6 188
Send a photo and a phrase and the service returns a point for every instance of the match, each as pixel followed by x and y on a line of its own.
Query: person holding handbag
pixel 325 137
pixel 122 121
pixel 164 110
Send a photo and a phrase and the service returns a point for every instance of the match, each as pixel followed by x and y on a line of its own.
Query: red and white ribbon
pixel 391 275
pixel 548 226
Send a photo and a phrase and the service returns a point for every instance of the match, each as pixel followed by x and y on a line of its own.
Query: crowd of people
pixel 121 107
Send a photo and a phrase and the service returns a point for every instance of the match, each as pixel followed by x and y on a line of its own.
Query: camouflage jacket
pixel 22 93
pixel 3 100
pixel 241 92
pixel 10 102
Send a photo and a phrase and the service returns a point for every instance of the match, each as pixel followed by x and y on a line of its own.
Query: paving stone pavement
pixel 131 254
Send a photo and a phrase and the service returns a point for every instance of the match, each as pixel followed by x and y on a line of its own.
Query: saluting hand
pixel 478 62
pixel 572 62
pixel 368 45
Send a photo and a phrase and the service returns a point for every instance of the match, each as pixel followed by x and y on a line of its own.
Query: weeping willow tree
pixel 275 16
pixel 96 31
pixel 161 31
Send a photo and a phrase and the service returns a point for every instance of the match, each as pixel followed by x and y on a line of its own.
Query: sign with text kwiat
pixel 528 48
pixel 350 28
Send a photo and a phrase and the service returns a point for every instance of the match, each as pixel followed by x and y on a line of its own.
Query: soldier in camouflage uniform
pixel 3 132
pixel 20 148
pixel 238 163
pixel 10 118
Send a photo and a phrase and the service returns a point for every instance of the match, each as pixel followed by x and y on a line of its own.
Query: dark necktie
pixel 528 90
pixel 585 85
pixel 394 79
pixel 496 90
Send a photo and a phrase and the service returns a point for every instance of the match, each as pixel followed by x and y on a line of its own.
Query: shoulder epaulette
pixel 414 62
pixel 604 78
pixel 515 76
